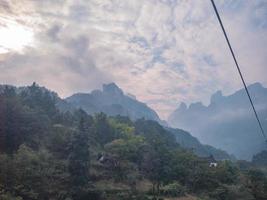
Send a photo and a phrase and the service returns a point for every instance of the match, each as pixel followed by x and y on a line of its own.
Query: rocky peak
pixel 196 106
pixel 182 107
pixel 112 88
pixel 256 87
pixel 216 97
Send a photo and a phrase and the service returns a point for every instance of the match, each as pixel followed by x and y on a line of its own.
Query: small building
pixel 211 161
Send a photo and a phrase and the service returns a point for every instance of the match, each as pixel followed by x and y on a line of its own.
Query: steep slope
pixel 112 101
pixel 187 141
pixel 228 122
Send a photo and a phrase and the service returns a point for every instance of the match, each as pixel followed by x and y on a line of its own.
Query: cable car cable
pixel 239 71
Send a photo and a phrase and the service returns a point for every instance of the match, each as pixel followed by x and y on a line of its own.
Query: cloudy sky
pixel 161 51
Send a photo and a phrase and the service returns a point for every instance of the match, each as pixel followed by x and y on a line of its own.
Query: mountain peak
pixel 227 121
pixel 112 101
pixel 216 97
pixel 112 88
pixel 255 86
pixel 182 106
pixel 196 106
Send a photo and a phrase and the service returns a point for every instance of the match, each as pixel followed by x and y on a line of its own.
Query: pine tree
pixel 104 131
pixel 79 160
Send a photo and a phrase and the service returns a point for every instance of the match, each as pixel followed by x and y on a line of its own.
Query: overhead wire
pixel 239 70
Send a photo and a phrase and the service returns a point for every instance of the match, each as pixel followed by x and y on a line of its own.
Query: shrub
pixel 8 196
pixel 173 190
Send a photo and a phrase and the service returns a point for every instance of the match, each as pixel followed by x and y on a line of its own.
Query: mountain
pixel 36 95
pixel 48 154
pixel 187 141
pixel 227 122
pixel 112 101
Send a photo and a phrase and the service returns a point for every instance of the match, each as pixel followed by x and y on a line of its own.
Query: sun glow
pixel 14 36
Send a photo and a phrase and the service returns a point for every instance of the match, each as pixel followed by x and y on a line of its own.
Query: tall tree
pixel 104 132
pixel 79 160
pixel 40 99
pixel 10 115
pixel 257 183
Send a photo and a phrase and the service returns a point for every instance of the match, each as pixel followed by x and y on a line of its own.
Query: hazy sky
pixel 161 51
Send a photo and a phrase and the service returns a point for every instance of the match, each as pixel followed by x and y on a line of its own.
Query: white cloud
pixel 162 51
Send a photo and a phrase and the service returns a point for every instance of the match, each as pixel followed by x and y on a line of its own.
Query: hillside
pixel 49 154
pixel 183 138
pixel 227 122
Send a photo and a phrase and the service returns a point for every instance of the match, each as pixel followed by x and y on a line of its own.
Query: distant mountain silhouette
pixel 112 101
pixel 227 122
pixel 187 141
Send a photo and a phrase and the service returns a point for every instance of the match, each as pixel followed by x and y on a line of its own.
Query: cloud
pixel 162 51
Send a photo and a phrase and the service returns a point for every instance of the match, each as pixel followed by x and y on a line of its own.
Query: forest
pixel 46 154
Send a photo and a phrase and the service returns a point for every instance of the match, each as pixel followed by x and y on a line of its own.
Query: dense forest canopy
pixel 49 154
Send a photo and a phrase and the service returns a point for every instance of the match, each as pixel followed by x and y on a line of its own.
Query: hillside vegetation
pixel 48 154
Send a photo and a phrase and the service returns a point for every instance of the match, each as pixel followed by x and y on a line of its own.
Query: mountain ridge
pixel 112 101
pixel 185 139
pixel 227 121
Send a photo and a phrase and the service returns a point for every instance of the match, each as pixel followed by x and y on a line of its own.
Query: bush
pixel 173 190
pixel 232 192
pixel 131 196
pixel 8 196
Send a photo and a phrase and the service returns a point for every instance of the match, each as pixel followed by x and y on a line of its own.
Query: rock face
pixel 112 101
pixel 228 122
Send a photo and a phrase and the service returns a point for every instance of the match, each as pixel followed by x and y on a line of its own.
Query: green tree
pixel 127 149
pixel 260 159
pixel 79 160
pixel 11 117
pixel 104 131
pixel 34 175
pixel 257 183
pixel 40 99
pixel 226 172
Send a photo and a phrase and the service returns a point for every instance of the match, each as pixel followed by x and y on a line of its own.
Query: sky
pixel 162 51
